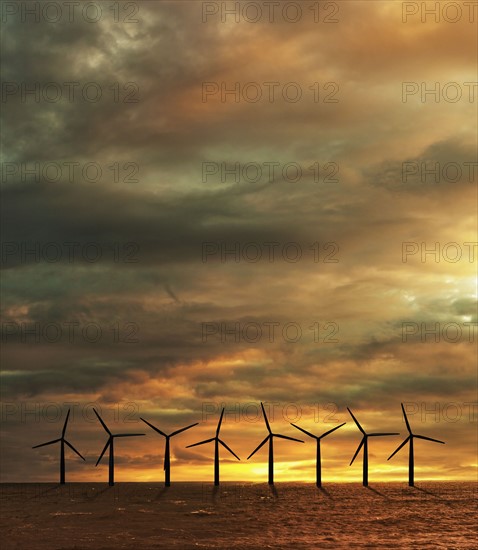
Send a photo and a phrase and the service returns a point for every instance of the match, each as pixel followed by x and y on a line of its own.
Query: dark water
pixel 236 515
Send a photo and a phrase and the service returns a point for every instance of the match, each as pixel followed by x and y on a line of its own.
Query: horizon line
pixel 428 480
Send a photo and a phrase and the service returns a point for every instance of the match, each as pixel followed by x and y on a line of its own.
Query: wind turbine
pixel 318 439
pixel 411 459
pixel 270 439
pixel 63 442
pixel 364 444
pixel 110 444
pixel 216 448
pixel 167 459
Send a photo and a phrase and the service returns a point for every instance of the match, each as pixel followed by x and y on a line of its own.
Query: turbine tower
pixel 318 438
pixel 270 439
pixel 411 458
pixel 110 445
pixel 167 459
pixel 364 444
pixel 63 442
pixel 217 441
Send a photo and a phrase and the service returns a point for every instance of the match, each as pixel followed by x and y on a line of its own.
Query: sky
pixel 202 211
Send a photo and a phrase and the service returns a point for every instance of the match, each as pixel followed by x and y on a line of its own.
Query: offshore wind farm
pixel 204 511
pixel 205 514
pixel 218 442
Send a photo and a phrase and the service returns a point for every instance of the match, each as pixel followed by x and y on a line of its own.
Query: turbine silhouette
pixel 63 442
pixel 217 441
pixel 110 444
pixel 364 444
pixel 318 465
pixel 411 458
pixel 167 459
pixel 270 438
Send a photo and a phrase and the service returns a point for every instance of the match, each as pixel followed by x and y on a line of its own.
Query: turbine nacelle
pixel 318 437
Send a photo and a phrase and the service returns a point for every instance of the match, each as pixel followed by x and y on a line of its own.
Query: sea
pixel 288 516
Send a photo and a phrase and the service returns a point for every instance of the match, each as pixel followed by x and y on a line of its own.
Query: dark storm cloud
pixel 165 230
pixel 449 166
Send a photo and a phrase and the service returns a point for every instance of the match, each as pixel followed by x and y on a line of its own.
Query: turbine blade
pixel 406 419
pixel 66 422
pixel 153 427
pixel 201 442
pixel 399 447
pixel 357 451
pixel 305 431
pixel 73 449
pixel 266 419
pixel 230 450
pixel 259 446
pixel 102 423
pixel 108 443
pixel 385 433
pixel 356 421
pixel 332 430
pixel 287 437
pixel 47 443
pixel 183 429
pixel 429 439
pixel 220 422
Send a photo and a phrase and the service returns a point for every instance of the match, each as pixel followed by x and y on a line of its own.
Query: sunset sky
pixel 163 281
